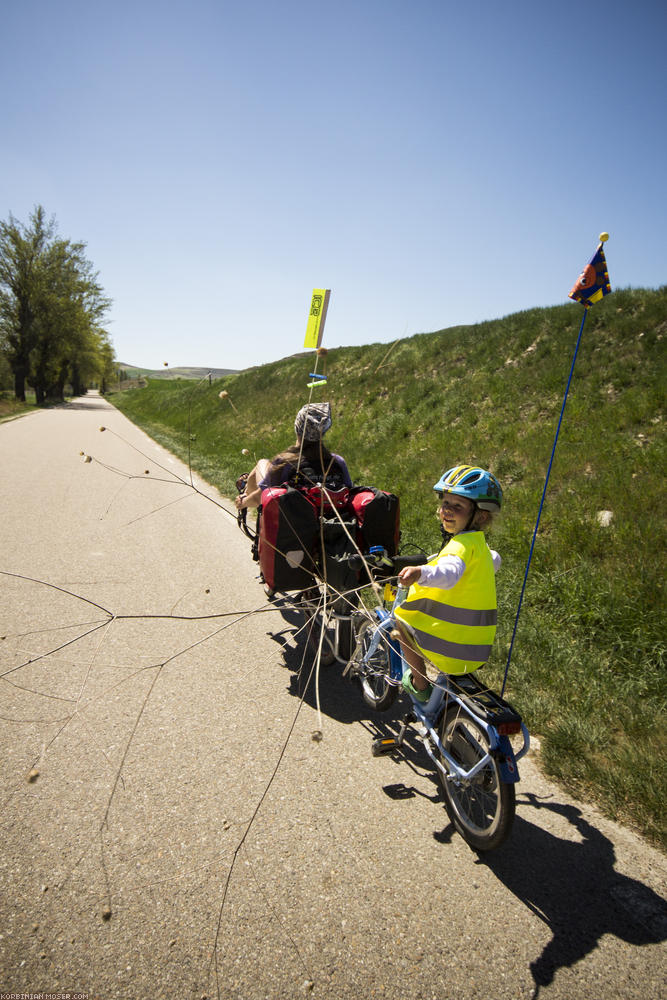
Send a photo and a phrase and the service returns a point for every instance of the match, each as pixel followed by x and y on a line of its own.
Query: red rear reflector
pixel 509 728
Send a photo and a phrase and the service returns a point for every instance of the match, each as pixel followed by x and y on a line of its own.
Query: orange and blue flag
pixel 593 282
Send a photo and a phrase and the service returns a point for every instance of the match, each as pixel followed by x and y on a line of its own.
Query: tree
pixel 6 377
pixel 107 362
pixel 51 308
pixel 21 251
pixel 67 342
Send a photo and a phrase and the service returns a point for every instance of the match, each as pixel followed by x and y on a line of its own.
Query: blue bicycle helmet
pixel 473 483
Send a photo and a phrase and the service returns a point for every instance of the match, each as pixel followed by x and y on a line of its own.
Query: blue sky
pixel 433 163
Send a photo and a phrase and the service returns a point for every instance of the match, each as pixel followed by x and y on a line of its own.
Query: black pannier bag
pixel 312 474
pixel 378 516
pixel 288 533
pixel 327 492
pixel 338 538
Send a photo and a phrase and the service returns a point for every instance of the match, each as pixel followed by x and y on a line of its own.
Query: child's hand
pixel 409 575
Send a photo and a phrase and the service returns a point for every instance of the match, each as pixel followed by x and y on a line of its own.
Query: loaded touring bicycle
pixel 317 548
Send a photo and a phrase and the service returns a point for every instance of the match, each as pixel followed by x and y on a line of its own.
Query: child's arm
pixel 409 575
pixel 446 572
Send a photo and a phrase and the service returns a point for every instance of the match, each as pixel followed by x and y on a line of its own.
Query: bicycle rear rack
pixel 484 702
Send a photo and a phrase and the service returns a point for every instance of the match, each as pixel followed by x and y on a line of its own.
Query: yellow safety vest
pixel 455 628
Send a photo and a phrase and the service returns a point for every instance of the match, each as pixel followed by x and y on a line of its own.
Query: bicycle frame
pixel 429 713
pixel 500 746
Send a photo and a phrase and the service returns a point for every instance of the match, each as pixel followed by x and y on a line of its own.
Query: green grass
pixel 11 407
pixel 588 663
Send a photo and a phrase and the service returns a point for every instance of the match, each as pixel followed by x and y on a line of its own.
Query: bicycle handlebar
pixel 390 565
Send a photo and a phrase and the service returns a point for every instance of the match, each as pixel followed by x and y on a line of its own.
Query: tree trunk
pixel 19 384
pixel 78 388
pixel 57 390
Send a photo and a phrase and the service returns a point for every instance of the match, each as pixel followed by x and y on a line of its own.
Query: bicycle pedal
pixel 351 669
pixel 384 745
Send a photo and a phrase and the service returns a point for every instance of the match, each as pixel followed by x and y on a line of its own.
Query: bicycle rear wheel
pixel 319 640
pixel 376 690
pixel 333 615
pixel 345 639
pixel 344 609
pixel 482 809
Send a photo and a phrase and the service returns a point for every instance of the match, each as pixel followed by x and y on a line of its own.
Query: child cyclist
pixel 449 614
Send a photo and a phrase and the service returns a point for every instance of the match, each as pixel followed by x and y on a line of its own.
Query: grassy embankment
pixel 587 669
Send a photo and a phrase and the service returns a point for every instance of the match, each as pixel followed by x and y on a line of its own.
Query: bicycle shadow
pixel 573 887
pixel 339 697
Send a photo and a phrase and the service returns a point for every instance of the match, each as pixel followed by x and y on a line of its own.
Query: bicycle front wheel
pixel 376 690
pixel 481 809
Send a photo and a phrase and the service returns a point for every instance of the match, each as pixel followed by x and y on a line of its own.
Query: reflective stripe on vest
pixel 457 616
pixel 468 654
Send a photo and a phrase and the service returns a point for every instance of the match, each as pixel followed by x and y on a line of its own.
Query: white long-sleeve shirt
pixel 449 570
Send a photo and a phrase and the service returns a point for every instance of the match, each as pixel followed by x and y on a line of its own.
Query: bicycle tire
pixel 376 690
pixel 482 810
pixel 313 608
pixel 346 605
pixel 345 639
pixel 309 604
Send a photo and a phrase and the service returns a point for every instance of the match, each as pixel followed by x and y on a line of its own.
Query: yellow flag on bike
pixel 316 317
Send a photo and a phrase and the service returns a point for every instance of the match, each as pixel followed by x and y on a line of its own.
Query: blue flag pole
pixel 544 491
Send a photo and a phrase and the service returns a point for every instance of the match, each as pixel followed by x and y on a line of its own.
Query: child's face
pixel 454 512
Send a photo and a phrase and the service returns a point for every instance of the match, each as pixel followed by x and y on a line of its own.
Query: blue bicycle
pixel 465 726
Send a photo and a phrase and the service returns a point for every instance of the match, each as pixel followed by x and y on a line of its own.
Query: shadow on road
pixel 569 884
pixel 87 403
pixel 572 886
pixel 339 697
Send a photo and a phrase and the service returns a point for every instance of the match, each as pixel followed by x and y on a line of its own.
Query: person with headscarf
pixel 308 462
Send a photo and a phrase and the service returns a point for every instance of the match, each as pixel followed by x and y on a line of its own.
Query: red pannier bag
pixel 378 517
pixel 288 530
pixel 326 501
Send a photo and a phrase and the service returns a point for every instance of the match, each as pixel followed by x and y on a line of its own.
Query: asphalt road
pixel 148 744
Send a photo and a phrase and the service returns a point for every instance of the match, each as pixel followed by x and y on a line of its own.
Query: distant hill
pixel 171 373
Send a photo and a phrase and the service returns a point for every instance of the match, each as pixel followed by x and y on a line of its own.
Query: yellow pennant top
pixel 316 317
